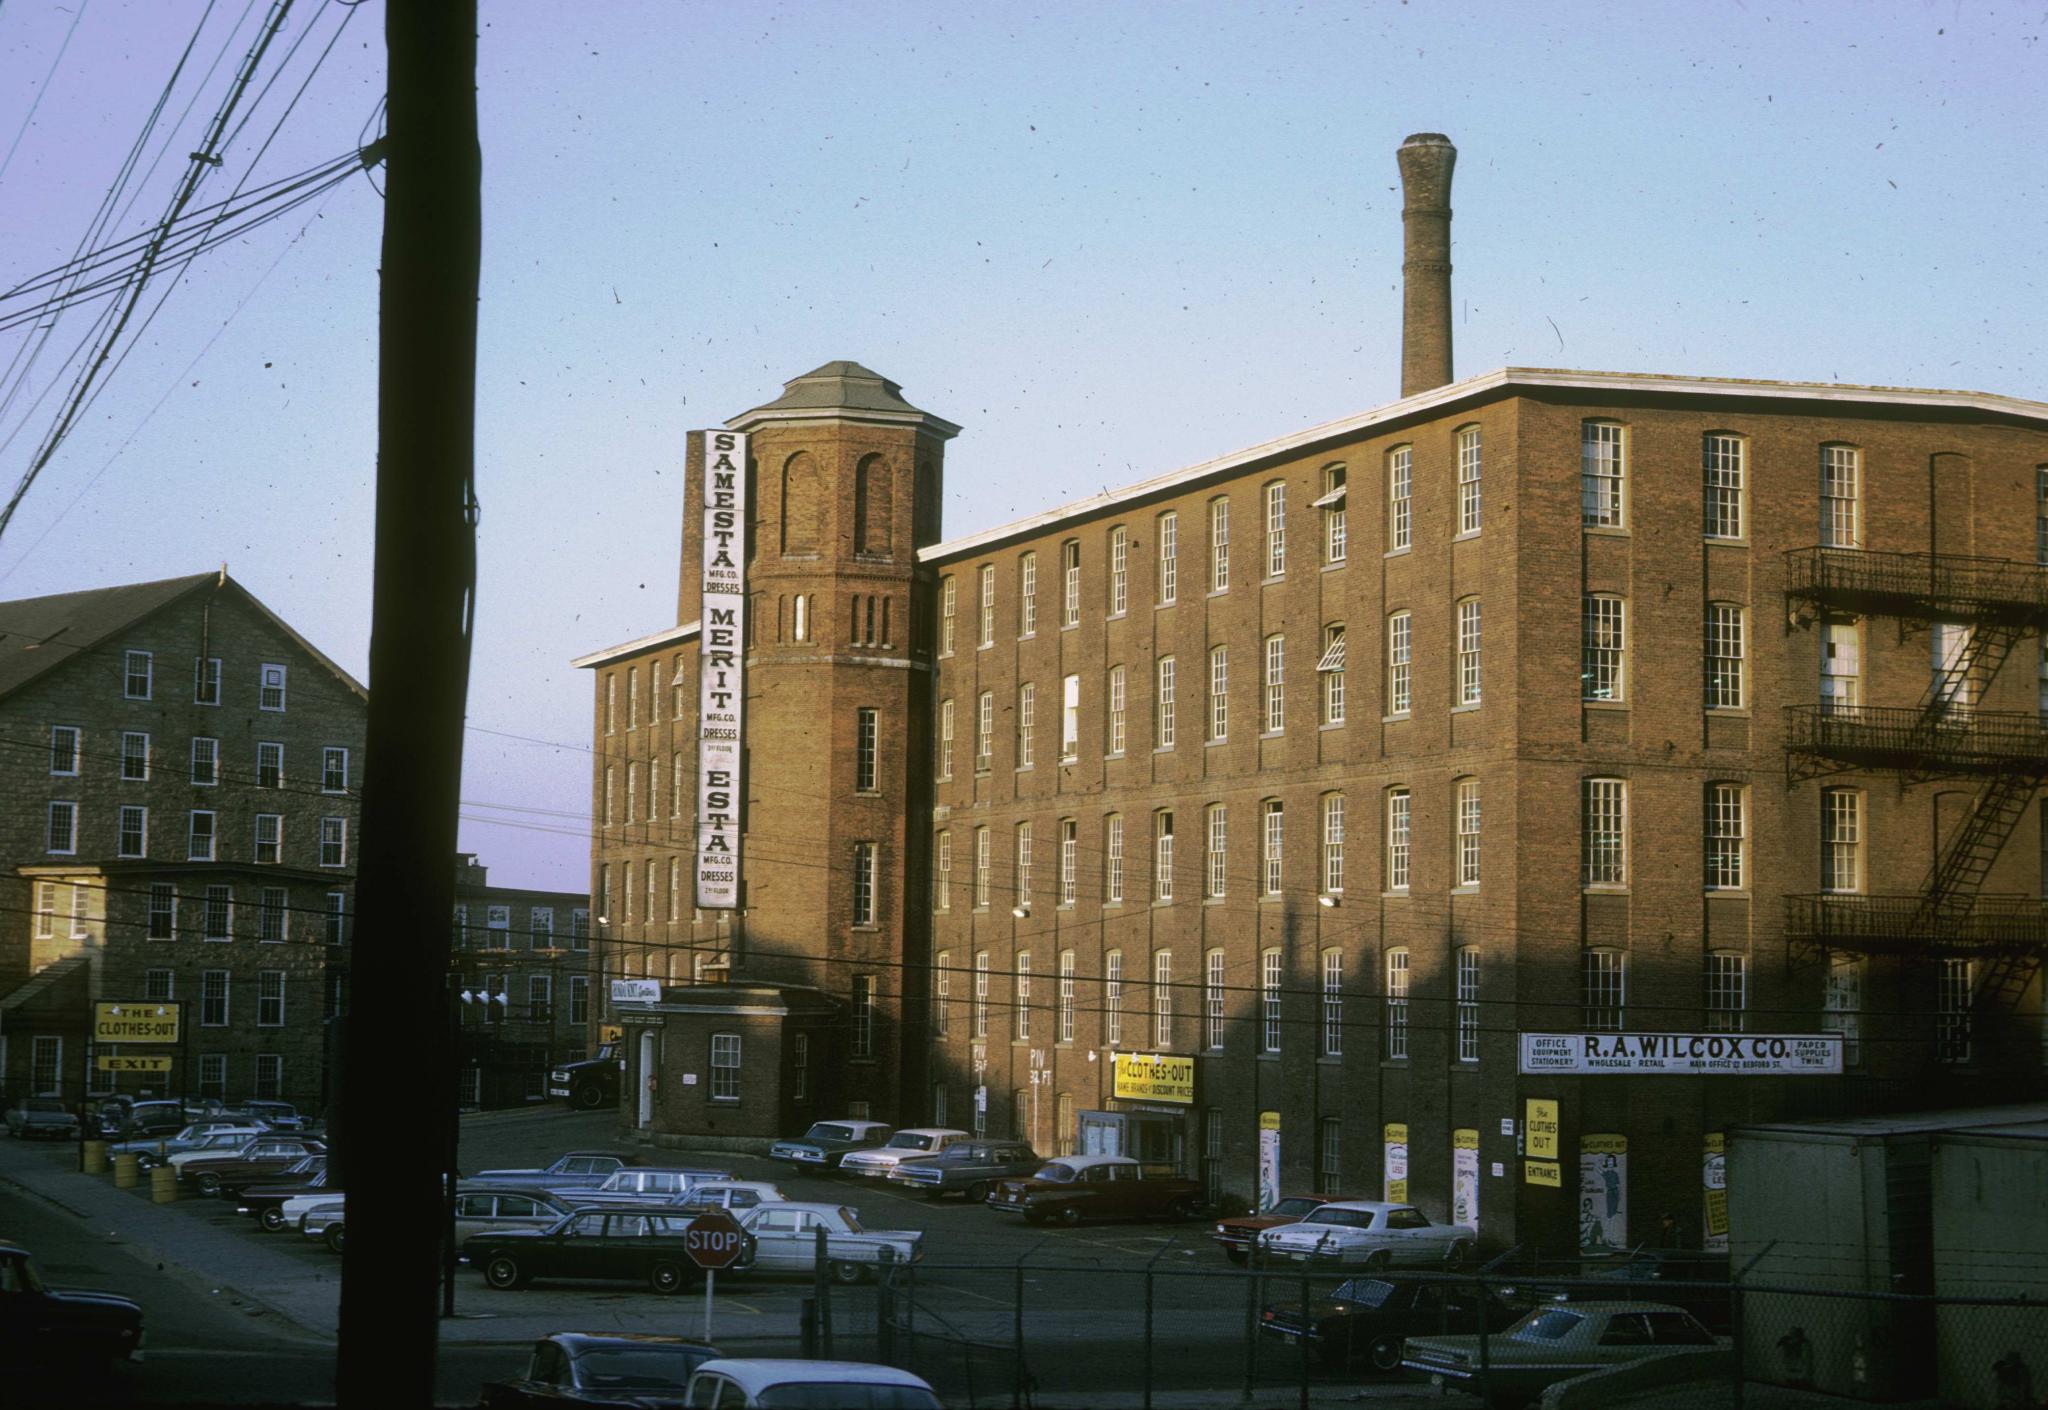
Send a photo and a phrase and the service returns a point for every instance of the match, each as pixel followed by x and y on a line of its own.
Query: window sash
pixel 1469 467
pixel 1165 730
pixel 1398 812
pixel 1604 642
pixel 1399 694
pixel 1400 471
pixel 1721 467
pixel 1276 529
pixel 1219 692
pixel 1605 830
pixel 1602 475
pixel 1027 595
pixel 1070 578
pixel 1269 1002
pixel 1113 850
pixel 1333 1003
pixel 1276 684
pixel 1468 823
pixel 1219 545
pixel 1727 992
pixel 1116 709
pixel 1169 559
pixel 1212 1000
pixel 1272 854
pixel 1333 843
pixel 1468 1003
pixel 1840 496
pixel 1604 989
pixel 1727 838
pixel 1396 1004
pixel 1468 651
pixel 1119 572
pixel 1215 850
pixel 1724 656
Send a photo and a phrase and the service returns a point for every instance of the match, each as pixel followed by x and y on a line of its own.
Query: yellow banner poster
pixel 1465 1177
pixel 1395 1137
pixel 1541 1130
pixel 1714 1189
pixel 1603 1194
pixel 136 1022
pixel 1543 1172
pixel 1155 1077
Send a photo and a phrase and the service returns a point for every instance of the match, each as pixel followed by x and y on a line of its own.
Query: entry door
pixel 646 1074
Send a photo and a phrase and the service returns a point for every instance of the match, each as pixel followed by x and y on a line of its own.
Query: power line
pixel 30 117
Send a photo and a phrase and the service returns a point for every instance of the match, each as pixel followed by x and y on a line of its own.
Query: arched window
pixel 803 504
pixel 873 507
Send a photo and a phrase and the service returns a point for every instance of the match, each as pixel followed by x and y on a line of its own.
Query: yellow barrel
pixel 125 1170
pixel 163 1184
pixel 95 1157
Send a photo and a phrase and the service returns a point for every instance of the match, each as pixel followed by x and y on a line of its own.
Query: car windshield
pixel 842 1395
pixel 852 1220
pixel 1365 1292
pixel 826 1131
pixel 1056 1173
pixel 19 1275
pixel 1548 1324
pixel 1342 1218
pixel 1293 1208
pixel 906 1141
pixel 637 1367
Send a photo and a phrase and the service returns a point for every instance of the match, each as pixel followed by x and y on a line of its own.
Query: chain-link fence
pixel 1047 1330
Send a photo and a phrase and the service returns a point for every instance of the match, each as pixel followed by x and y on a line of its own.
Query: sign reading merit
pixel 1694 1054
pixel 721 651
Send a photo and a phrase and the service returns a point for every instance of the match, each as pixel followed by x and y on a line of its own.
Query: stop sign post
pixel 713 1241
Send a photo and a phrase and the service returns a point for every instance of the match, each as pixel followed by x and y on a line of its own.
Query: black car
pixel 590 1083
pixel 43 1327
pixel 624 1370
pixel 615 1245
pixel 968 1168
pixel 1364 1321
pixel 265 1200
pixel 1688 1278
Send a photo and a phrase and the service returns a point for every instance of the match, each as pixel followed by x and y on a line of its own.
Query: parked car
pixel 1364 1321
pixel 746 1385
pixel 265 1201
pixel 1366 1233
pixel 42 1326
pixel 325 1220
pixel 279 1116
pixel 135 1121
pixel 210 1133
pixel 294 1210
pixel 622 1369
pixel 828 1142
pixel 1668 1269
pixel 260 1156
pixel 42 1116
pixel 591 1083
pixel 734 1196
pixel 643 1184
pixel 1240 1234
pixel 783 1238
pixel 881 1162
pixel 968 1168
pixel 616 1245
pixel 578 1170
pixel 1078 1187
pixel 485 1211
pixel 1556 1342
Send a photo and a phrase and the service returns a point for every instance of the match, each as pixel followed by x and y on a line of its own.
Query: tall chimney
pixel 1426 161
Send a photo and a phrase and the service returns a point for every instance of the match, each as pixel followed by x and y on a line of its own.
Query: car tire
pixel 207 1184
pixel 272 1217
pixel 1069 1215
pixel 847 1274
pixel 666 1277
pixel 1456 1252
pixel 502 1272
pixel 1378 1261
pixel 977 1193
pixel 335 1237
pixel 1385 1353
pixel 588 1097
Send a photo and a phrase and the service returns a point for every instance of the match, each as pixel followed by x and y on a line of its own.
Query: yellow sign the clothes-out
pixel 120 1063
pixel 1269 1121
pixel 1465 1140
pixel 1543 1172
pixel 1541 1130
pixel 138 1022
pixel 1155 1077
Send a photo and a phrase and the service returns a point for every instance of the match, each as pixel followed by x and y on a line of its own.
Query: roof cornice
pixel 923 421
pixel 674 636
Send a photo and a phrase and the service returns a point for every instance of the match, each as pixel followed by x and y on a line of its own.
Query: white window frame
pixel 1841 665
pixel 1219 544
pixel 1162 999
pixel 1469 643
pixel 1470 468
pixel 1027 595
pixel 1330 669
pixel 138 675
pixel 134 756
pixel 981 868
pixel 1841 841
pixel 978 1025
pixel 1064 1034
pixel 1726 984
pixel 1117 692
pixel 1603 989
pixel 334 841
pixel 1333 844
pixel 1400 499
pixel 1603 656
pixel 1332 968
pixel 1276 684
pixel 867 743
pixel 196 835
pixel 942 870
pixel 1070 718
pixel 1020 997
pixel 1070 861
pixel 1119 571
pixel 1276 528
pixel 1215 851
pixel 161 921
pixel 866 878
pixel 334 766
pixel 1467 801
pixel 1725 657
pixel 1395 1025
pixel 1272 850
pixel 984 731
pixel 1269 1001
pixel 1113 860
pixel 1727 828
pixel 206 680
pixel 1604 839
pixel 270 687
pixel 210 754
pixel 61 835
pixel 1841 496
pixel 133 841
pixel 269 839
pixel 1219 693
pixel 987 607
pixel 945 740
pixel 1466 977
pixel 269 1004
pixel 1024 859
pixel 1162 856
pixel 1336 527
pixel 65 747
pixel 1723 457
pixel 1603 475
pixel 1164 705
pixel 1400 668
pixel 949 601
pixel 1169 558
pixel 1212 1000
pixel 1113 998
pixel 1070 584
pixel 1400 838
pixel 724 1061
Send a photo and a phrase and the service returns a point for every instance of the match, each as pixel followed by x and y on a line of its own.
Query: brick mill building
pixel 522 958
pixel 1232 821
pixel 181 779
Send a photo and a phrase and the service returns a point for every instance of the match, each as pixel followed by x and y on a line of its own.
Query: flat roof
pixel 1905 1123
pixel 639 645
pixel 1487 383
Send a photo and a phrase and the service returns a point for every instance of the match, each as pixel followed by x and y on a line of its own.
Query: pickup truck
pixel 578 1170
pixel 42 1116
pixel 783 1238
pixel 590 1083
pixel 1078 1187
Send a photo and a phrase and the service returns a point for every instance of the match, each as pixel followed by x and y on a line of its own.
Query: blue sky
pixel 1108 240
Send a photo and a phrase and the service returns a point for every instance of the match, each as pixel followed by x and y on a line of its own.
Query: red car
pixel 264 1156
pixel 1077 1187
pixel 1238 1236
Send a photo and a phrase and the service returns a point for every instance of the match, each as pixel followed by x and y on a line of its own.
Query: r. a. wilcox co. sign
pixel 1683 1054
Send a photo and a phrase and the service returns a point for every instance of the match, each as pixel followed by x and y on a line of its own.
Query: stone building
pixel 522 957
pixel 181 773
pixel 1664 716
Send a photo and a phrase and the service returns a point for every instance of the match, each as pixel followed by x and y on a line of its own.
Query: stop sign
pixel 713 1240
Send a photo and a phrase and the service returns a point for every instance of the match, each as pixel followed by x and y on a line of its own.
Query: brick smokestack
pixel 1426 161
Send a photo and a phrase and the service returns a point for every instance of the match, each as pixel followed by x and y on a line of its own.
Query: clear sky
pixel 1109 240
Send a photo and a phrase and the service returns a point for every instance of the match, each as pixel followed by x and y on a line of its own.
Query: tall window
pixel 1119 571
pixel 1336 532
pixel 1020 990
pixel 949 606
pixel 863 1016
pixel 1604 989
pixel 1721 458
pixel 1169 558
pixel 1064 1129
pixel 942 992
pixel 1276 529
pixel 1841 488
pixel 987 634
pixel 205 762
pixel 1027 595
pixel 1727 838
pixel 272 905
pixel 1469 465
pixel 1724 656
pixel 213 998
pixel 1601 656
pixel 270 686
pixel 1333 1003
pixel 1727 991
pixel 945 740
pixel 1219 692
pixel 270 998
pixel 1272 845
pixel 1330 670
pixel 1113 860
pixel 1400 484
pixel 1113 999
pixel 984 729
pixel 1399 691
pixel 1116 693
pixel 1396 1016
pixel 1070 718
pixel 1954 992
pixel 1841 667
pixel 334 769
pixel 1027 723
pixel 632 791
pixel 1468 651
pixel 1212 1000
pixel 1604 832
pixel 138 672
pixel 725 1067
pixel 1269 1001
pixel 867 732
pixel 1602 471
pixel 1070 859
pixel 1842 1005
pixel 199 836
pixel 163 910
pixel 942 870
pixel 1467 959
pixel 1024 865
pixel 334 842
pixel 134 757
pixel 611 703
pixel 632 697
pixel 1070 583
pixel 1333 843
pixel 1952 685
pixel 134 839
pixel 1841 840
pixel 979 1027
pixel 1162 999
pixel 1276 684
pixel 1329 1156
pixel 1467 823
pixel 1215 868
pixel 1163 730
pixel 1397 839
pixel 1162 856
pixel 981 868
pixel 1219 544
pixel 1065 1032
pixel 864 880
pixel 206 680
pixel 64 749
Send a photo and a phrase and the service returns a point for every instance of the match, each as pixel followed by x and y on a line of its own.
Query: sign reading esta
pixel 721 659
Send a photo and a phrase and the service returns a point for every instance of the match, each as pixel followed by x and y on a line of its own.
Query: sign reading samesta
pixel 1694 1054
pixel 136 1022
pixel 721 653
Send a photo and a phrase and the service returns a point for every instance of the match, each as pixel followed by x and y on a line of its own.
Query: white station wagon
pixel 844 1385
pixel 1369 1234
pixel 916 1143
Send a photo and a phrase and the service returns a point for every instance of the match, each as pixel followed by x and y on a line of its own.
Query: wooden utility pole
pixel 399 1049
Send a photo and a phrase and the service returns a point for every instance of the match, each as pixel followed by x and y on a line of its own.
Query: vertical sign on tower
pixel 721 653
